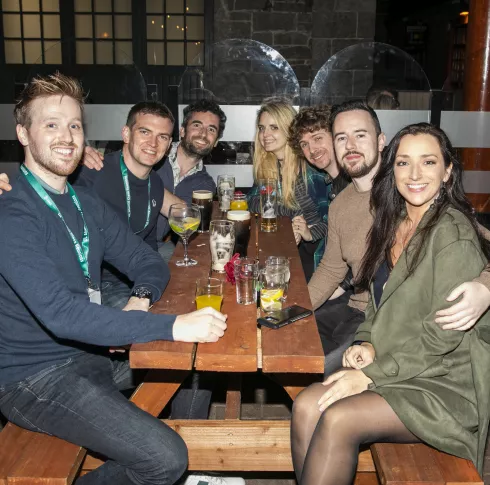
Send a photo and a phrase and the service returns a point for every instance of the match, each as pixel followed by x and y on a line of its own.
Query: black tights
pixel 325 446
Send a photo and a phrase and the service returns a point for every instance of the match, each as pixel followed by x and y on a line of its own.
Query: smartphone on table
pixel 284 317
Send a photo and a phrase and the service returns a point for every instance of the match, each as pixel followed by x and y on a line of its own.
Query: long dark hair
pixel 389 208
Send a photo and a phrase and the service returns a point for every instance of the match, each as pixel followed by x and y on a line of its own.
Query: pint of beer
pixel 204 200
pixel 268 205
pixel 242 230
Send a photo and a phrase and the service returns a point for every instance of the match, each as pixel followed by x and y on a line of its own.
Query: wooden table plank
pixel 296 347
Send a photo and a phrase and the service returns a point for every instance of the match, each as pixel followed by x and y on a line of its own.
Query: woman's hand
pixel 358 356
pixel 344 383
pixel 301 228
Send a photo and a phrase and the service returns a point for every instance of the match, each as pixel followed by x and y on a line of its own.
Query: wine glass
pixel 184 219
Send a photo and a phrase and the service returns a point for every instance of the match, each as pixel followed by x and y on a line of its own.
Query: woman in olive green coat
pixel 406 380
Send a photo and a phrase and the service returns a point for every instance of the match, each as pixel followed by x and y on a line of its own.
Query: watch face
pixel 142 293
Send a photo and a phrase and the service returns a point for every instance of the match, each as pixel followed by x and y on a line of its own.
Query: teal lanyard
pixel 81 249
pixel 124 173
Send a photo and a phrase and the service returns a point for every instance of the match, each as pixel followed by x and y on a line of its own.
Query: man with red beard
pixel 358 144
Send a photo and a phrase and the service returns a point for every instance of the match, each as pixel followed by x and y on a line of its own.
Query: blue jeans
pixel 115 293
pixel 79 401
pixel 166 250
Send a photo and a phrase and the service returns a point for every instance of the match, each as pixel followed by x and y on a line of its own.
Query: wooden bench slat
pixel 366 479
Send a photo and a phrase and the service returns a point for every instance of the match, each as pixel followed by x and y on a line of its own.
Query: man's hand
pixel 464 314
pixel 300 227
pixel 92 158
pixel 358 356
pixel 205 325
pixel 4 183
pixel 135 303
pixel 344 383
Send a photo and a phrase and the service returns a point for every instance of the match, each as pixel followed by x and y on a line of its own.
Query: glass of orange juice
pixel 239 202
pixel 209 292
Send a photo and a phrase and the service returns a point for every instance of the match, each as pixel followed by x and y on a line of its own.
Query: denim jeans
pixel 166 250
pixel 79 401
pixel 115 293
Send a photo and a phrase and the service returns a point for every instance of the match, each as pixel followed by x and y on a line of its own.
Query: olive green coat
pixel 437 381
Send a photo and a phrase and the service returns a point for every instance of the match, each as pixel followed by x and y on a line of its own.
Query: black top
pixel 339 183
pixel 380 279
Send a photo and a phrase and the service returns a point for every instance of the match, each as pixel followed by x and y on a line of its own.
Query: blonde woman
pixel 303 193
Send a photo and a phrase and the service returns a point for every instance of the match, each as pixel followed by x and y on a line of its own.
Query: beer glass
pixel 226 189
pixel 204 200
pixel 246 273
pixel 209 292
pixel 278 264
pixel 221 243
pixel 184 220
pixel 268 205
pixel 242 230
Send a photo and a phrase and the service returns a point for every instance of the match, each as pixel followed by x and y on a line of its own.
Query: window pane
pixel 51 6
pixel 103 6
pixel 11 25
pixel 154 6
pixel 103 52
pixel 175 27
pixel 124 53
pixel 122 26
pixel 122 5
pixel 11 5
pixel 155 53
pixel 195 6
pixel 51 26
pixel 175 54
pixel 154 29
pixel 30 5
pixel 32 26
pixel 83 26
pixel 33 51
pixel 103 27
pixel 13 52
pixel 52 52
pixel 175 6
pixel 195 28
pixel 83 6
pixel 85 53
pixel 195 53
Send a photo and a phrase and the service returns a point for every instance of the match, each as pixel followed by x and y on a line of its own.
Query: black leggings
pixel 325 446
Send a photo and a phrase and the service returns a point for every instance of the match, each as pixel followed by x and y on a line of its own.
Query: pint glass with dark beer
pixel 242 230
pixel 204 200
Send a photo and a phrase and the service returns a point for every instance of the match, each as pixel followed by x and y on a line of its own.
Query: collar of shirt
pixel 172 159
pixel 47 187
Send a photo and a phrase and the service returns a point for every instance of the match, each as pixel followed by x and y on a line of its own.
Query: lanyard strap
pixel 81 249
pixel 124 173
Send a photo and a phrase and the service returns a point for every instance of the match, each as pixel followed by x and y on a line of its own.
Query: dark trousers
pixel 79 401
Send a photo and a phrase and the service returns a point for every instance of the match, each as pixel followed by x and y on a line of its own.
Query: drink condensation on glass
pixel 221 243
pixel 246 274
pixel 279 264
pixel 209 292
pixel 204 200
pixel 226 189
pixel 268 205
pixel 242 230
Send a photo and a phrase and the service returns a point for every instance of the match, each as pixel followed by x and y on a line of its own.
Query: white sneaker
pixel 209 480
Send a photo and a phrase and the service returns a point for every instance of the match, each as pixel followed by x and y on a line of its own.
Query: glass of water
pixel 279 264
pixel 246 276
pixel 226 190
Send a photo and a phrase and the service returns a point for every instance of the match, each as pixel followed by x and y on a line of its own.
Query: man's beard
pixel 358 171
pixel 44 158
pixel 193 150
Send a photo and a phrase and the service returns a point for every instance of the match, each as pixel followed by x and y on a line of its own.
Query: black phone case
pixel 282 323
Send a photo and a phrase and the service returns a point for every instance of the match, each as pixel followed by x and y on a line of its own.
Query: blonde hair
pixel 266 164
pixel 43 86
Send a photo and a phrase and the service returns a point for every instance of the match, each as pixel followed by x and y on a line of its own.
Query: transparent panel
pixel 32 26
pixel 13 52
pixel 52 52
pixel 103 53
pixel 85 53
pixel 195 53
pixel 83 5
pixel 11 5
pixel 124 52
pixel 32 49
pixel 51 5
pixel 175 53
pixel 175 6
pixel 51 26
pixel 195 6
pixel 30 5
pixel 122 6
pixel 103 26
pixel 103 6
pixel 239 71
pixel 195 28
pixel 11 25
pixel 83 26
pixel 391 77
pixel 155 27
pixel 154 6
pixel 175 27
pixel 155 53
pixel 123 27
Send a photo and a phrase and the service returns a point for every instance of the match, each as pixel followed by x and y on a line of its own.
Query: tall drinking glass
pixel 242 230
pixel 204 200
pixel 246 274
pixel 226 190
pixel 221 243
pixel 280 264
pixel 209 292
pixel 184 220
pixel 272 285
pixel 268 205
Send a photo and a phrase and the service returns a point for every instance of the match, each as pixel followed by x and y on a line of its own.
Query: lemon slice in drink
pixel 187 224
pixel 270 299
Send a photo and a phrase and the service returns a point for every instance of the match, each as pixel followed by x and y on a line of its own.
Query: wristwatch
pixel 143 292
